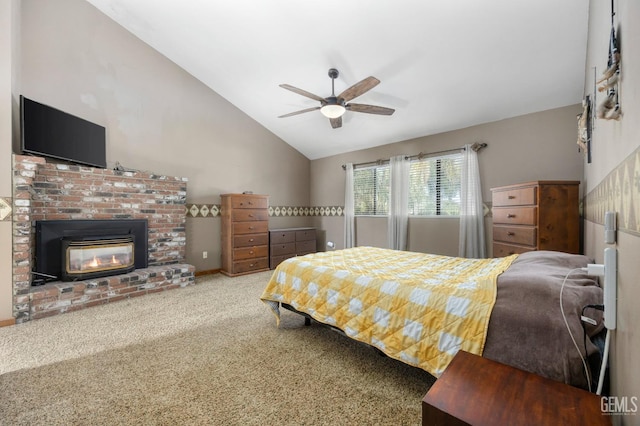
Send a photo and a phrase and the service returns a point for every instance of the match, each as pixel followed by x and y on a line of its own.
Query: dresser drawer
pixel 280 249
pixel 502 250
pixel 525 235
pixel 515 197
pixel 250 240
pixel 515 215
pixel 250 227
pixel 249 215
pixel 306 235
pixel 250 252
pixel 247 202
pixel 244 266
pixel 279 237
pixel 305 247
pixel 276 260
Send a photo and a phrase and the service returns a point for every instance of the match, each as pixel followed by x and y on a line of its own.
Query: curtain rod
pixel 477 146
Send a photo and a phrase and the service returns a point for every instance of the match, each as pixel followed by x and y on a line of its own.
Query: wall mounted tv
pixel 52 133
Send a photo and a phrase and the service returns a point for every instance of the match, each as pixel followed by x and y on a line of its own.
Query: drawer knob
pixel 250 215
pixel 511 215
pixel 511 234
pixel 250 240
pixel 511 197
pixel 251 227
pixel 251 251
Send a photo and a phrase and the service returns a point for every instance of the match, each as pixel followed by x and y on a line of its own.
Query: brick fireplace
pixel 44 191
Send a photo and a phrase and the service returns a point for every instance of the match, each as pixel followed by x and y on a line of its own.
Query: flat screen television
pixel 49 132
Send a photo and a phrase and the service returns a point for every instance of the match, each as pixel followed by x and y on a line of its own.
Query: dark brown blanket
pixel 527 330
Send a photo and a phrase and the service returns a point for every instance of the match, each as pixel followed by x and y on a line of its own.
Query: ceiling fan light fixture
pixel 332 110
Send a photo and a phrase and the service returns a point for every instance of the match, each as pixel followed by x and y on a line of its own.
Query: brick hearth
pixel 46 191
pixel 60 297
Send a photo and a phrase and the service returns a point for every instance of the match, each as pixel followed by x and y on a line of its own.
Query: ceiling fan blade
pixel 302 111
pixel 302 92
pixel 370 109
pixel 359 88
pixel 336 122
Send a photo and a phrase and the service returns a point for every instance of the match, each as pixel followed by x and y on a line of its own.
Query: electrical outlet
pixel 205 254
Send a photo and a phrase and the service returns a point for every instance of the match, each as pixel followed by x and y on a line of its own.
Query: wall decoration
pixel 609 109
pixel 585 128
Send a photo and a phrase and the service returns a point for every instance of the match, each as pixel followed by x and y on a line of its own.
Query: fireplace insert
pixel 88 257
pixel 52 235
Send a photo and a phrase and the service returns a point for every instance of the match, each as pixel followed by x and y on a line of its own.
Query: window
pixel 371 190
pixel 434 187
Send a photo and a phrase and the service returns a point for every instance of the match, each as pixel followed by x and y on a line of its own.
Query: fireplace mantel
pixel 48 191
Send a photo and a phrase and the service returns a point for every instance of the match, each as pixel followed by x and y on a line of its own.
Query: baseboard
pixel 207 272
pixel 7 322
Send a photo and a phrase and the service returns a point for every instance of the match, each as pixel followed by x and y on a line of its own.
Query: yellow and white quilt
pixel 415 307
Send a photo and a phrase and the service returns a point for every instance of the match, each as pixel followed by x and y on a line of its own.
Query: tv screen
pixel 52 133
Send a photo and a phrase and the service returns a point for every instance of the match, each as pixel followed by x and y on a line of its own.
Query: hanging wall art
pixel 584 128
pixel 609 108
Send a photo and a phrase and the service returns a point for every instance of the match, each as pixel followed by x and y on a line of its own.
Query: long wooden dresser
pixel 245 233
pixel 539 215
pixel 290 242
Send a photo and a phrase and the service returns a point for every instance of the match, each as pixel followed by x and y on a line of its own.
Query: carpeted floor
pixel 209 354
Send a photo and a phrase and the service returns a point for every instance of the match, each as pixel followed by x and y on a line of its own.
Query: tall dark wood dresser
pixel 245 233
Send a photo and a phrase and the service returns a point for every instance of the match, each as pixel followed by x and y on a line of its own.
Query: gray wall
pixel 613 143
pixel 539 146
pixel 158 117
pixel 9 27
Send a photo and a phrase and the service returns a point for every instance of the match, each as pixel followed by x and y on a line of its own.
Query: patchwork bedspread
pixel 415 307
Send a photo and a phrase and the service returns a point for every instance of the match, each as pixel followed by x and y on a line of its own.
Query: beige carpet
pixel 209 354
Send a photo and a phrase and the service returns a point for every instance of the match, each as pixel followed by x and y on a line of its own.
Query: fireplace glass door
pixel 97 257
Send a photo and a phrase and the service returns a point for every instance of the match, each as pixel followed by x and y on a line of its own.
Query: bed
pixel 422 308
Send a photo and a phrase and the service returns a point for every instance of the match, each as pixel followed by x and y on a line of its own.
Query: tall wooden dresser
pixel 289 242
pixel 539 215
pixel 245 233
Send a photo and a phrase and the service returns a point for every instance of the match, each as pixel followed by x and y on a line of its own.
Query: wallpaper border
pixel 215 210
pixel 619 191
pixel 5 208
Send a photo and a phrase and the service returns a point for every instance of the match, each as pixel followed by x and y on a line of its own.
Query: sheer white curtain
pixel 472 243
pixel 398 202
pixel 349 228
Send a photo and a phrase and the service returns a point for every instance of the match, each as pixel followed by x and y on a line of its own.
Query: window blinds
pixel 434 187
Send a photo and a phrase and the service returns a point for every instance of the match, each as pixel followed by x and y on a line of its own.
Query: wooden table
pixel 477 391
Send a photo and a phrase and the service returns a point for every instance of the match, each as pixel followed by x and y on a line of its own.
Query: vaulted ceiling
pixel 442 65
